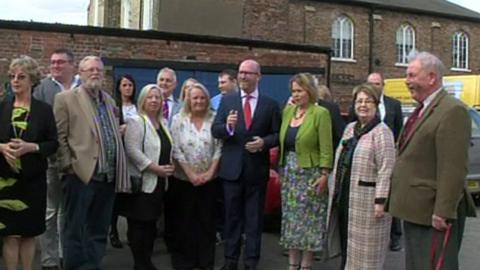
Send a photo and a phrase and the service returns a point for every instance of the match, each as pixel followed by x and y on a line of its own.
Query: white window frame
pixel 126 13
pixel 404 37
pixel 339 32
pixel 96 13
pixel 147 15
pixel 460 46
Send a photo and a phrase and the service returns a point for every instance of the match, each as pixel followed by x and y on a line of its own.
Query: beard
pixel 93 84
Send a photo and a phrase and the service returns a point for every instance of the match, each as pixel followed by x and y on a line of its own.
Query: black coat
pixel 41 129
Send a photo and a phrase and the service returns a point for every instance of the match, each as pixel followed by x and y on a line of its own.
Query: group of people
pixel 73 159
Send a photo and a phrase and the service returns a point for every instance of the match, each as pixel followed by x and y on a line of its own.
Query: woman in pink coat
pixel 364 162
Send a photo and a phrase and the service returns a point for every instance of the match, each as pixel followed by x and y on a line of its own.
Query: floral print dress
pixel 304 211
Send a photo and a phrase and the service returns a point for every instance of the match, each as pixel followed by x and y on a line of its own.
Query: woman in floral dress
pixel 306 156
pixel 197 154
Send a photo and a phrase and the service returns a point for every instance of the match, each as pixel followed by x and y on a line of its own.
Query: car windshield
pixel 475 123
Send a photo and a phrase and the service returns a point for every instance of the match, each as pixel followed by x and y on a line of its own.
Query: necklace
pixel 298 116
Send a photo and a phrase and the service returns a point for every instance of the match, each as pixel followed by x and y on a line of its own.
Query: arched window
pixel 460 50
pixel 405 43
pixel 342 38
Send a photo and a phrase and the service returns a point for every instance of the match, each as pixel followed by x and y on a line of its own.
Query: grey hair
pixel 167 69
pixel 429 62
pixel 81 65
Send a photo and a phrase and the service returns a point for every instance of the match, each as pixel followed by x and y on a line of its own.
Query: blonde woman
pixel 197 154
pixel 186 87
pixel 148 145
pixel 27 136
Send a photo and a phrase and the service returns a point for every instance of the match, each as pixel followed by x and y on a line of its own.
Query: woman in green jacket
pixel 306 158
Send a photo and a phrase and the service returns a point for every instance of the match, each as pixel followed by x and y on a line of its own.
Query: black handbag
pixel 135 180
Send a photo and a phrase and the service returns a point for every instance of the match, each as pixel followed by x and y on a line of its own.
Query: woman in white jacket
pixel 148 145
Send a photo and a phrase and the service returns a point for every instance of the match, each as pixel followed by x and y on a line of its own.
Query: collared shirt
pixel 170 107
pixel 253 100
pixel 108 149
pixel 76 82
pixel 129 111
pixel 429 100
pixel 215 101
pixel 381 108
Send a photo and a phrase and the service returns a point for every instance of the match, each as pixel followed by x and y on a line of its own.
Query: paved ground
pixel 120 259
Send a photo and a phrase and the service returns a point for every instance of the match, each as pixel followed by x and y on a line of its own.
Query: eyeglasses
pixel 247 73
pixel 19 77
pixel 364 101
pixel 92 70
pixel 58 62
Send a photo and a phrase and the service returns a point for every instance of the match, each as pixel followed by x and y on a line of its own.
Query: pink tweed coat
pixel 373 161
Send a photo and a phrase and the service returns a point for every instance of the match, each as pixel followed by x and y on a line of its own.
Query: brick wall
pixel 40 45
pixel 309 22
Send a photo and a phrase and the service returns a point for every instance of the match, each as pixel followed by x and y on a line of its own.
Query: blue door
pixel 273 85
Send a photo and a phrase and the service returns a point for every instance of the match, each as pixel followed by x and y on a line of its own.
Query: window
pixel 460 50
pixel 342 38
pixel 147 14
pixel 405 43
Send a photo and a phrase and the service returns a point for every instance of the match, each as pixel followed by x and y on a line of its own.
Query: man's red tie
pixel 165 109
pixel 410 125
pixel 247 111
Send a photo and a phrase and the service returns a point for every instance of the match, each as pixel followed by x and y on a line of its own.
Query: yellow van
pixel 466 88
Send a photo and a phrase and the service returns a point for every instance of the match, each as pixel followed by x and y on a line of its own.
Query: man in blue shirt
pixel 227 83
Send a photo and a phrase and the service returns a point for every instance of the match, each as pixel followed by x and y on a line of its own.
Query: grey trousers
pixel 418 243
pixel 51 239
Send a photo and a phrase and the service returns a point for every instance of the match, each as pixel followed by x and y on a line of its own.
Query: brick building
pixel 365 35
pixel 143 53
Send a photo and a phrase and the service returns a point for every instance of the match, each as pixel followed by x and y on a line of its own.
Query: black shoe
pixel 395 246
pixel 115 242
pixel 229 266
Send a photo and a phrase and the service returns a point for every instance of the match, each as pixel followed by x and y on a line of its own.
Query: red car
pixel 273 203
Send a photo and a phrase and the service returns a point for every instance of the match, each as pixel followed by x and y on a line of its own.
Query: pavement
pixel 272 258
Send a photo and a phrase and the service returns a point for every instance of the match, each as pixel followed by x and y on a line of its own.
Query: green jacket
pixel 313 143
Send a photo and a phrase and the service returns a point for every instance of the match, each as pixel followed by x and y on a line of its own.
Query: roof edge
pixel 151 34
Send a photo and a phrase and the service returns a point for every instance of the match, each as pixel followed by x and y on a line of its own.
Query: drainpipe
pixel 370 40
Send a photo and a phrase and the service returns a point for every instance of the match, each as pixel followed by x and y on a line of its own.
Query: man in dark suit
pixel 247 122
pixel 167 81
pixel 427 190
pixel 390 111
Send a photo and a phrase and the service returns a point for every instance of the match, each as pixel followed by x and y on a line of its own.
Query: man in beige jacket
pixel 92 158
pixel 428 179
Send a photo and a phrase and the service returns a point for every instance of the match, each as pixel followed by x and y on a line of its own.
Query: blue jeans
pixel 88 209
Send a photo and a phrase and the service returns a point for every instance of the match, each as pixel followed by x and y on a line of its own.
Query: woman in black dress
pixel 27 136
pixel 148 145
pixel 125 97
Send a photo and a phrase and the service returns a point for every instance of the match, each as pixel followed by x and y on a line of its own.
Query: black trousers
pixel 244 205
pixel 396 231
pixel 195 235
pixel 141 237
pixel 88 209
